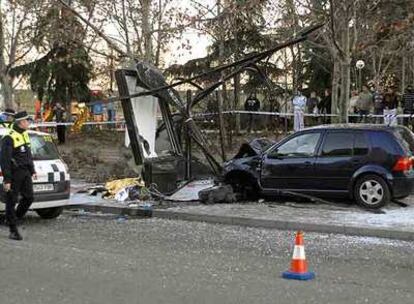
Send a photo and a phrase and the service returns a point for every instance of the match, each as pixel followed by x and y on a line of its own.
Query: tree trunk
pixel 125 28
pixel 294 70
pixel 412 70
pixel 403 73
pixel 7 91
pixel 159 36
pixel 335 87
pixel 345 77
pixel 146 30
pixel 345 91
pixel 237 102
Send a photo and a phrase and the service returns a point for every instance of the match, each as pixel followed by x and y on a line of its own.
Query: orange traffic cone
pixel 299 266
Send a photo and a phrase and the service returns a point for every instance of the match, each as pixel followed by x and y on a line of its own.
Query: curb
pixel 287 225
pixel 254 222
pixel 116 210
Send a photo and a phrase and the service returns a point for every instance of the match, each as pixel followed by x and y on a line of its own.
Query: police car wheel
pixel 49 213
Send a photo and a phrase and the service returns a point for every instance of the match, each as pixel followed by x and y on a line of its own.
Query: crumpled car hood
pixel 253 148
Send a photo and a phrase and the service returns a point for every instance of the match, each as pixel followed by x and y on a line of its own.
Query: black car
pixel 371 164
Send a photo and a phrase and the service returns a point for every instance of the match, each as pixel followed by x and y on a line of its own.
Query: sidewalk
pixel 396 223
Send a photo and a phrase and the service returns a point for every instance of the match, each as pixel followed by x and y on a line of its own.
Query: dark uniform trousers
pixel 21 185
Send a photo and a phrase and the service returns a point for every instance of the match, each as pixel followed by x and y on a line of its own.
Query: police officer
pixel 18 170
pixel 7 118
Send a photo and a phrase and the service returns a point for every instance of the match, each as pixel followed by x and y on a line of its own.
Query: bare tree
pixel 16 31
pixel 145 28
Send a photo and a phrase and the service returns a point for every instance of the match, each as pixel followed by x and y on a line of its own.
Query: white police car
pixel 52 186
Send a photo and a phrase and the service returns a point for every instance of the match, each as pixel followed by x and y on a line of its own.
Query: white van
pixel 52 186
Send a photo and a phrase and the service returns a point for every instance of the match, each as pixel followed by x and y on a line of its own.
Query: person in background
pixel 47 112
pixel 7 118
pixel 325 106
pixel 390 107
pixel 59 113
pixel 252 104
pixel 312 105
pixel 364 104
pixel 110 110
pixel 407 104
pixel 98 112
pixel 299 105
pixel 378 103
pixel 352 110
pixel 38 110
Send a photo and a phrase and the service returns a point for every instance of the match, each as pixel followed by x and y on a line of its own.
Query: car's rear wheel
pixel 49 213
pixel 371 191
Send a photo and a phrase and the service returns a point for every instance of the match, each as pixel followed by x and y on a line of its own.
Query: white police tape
pixel 281 114
pixel 195 115
pixel 262 113
pixel 53 124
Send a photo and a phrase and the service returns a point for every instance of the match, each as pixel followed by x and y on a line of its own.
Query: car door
pixel 290 165
pixel 341 154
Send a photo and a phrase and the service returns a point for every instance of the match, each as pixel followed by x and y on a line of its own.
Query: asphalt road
pixel 83 259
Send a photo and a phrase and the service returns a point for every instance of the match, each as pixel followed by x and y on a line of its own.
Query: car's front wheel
pixel 244 186
pixel 49 213
pixel 371 191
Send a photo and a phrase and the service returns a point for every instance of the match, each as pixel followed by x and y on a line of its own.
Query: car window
pixel 300 146
pixel 406 137
pixel 43 147
pixel 338 144
pixel 384 142
pixel 361 145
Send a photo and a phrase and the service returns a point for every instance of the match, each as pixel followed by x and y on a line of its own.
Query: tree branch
pixel 97 31
pixel 331 9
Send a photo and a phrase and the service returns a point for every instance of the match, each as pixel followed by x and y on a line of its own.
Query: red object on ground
pixel 299 266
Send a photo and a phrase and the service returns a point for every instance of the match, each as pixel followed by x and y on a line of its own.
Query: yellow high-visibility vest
pixel 19 139
pixel 6 124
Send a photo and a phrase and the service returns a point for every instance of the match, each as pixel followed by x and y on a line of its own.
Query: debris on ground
pixel 121 187
pixel 93 191
pixel 190 191
pixel 132 191
pixel 121 190
pixel 217 194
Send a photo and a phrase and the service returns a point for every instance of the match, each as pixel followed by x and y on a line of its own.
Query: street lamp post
pixel 360 64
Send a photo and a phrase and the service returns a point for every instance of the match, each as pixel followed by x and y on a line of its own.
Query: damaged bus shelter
pixel 144 92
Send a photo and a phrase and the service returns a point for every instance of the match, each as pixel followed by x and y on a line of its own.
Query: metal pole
pixel 220 95
pixel 221 124
pixel 237 102
pixel 188 156
pixel 286 94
